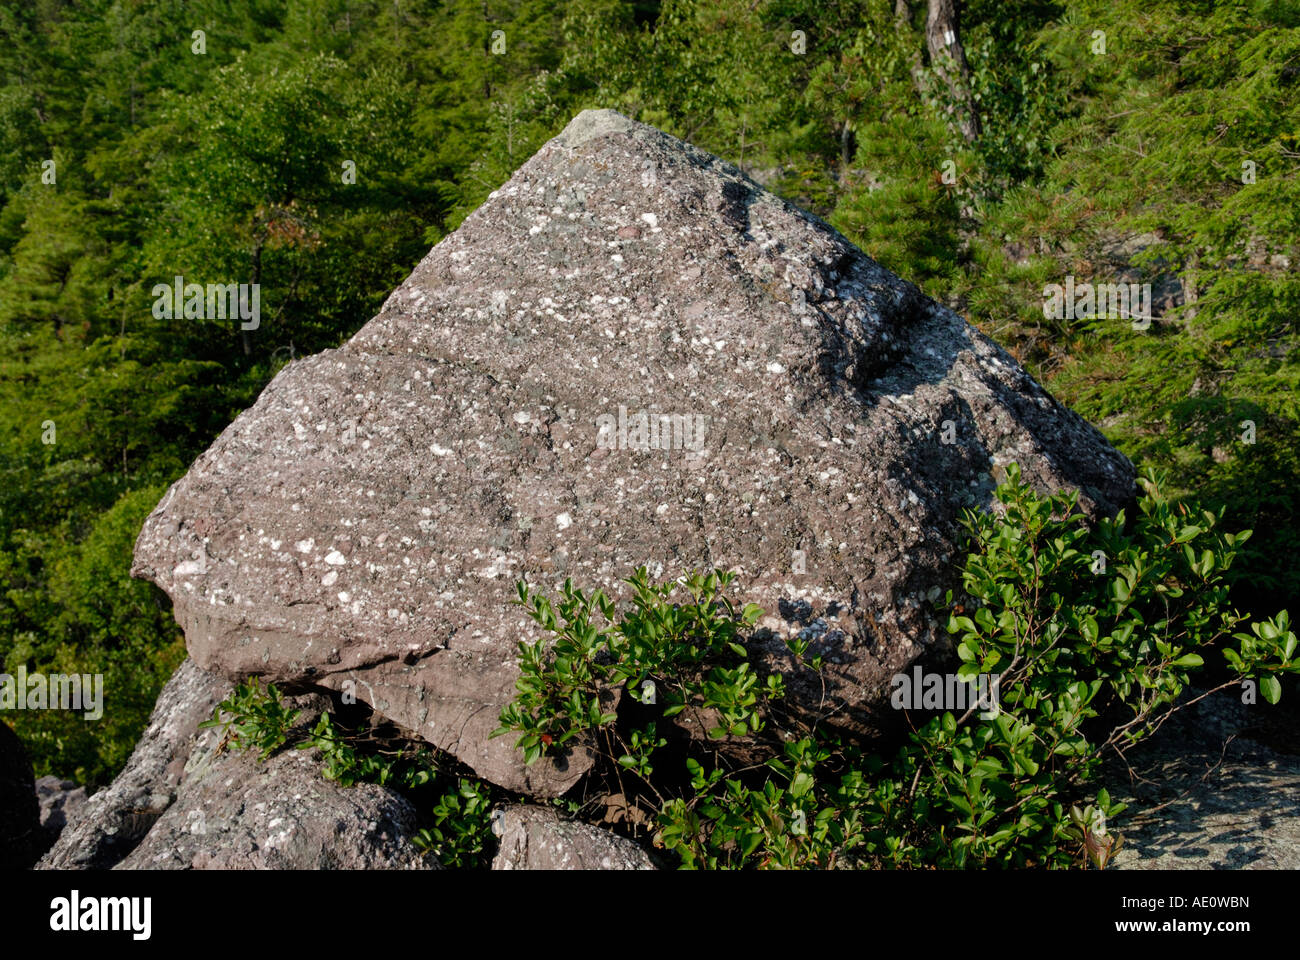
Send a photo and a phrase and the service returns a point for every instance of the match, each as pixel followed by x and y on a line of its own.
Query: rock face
pixel 182 803
pixel 630 354
pixel 20 824
pixel 1245 815
pixel 1208 797
pixel 234 813
pixel 535 838
pixel 114 820
pixel 60 801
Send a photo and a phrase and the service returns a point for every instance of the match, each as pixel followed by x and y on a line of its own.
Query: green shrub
pixel 683 655
pixel 462 826
pixel 1093 629
pixel 1094 633
pixel 346 763
pixel 255 718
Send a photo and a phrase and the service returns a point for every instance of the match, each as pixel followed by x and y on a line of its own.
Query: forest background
pixel 320 147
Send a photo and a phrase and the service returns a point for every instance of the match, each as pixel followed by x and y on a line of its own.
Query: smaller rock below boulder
pixel 60 801
pixel 19 816
pixel 536 838
pixel 233 812
pixel 115 818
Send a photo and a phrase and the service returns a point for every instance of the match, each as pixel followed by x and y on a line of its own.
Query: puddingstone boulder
pixel 630 354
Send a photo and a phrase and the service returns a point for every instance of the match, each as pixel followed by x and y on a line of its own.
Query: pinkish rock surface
pixel 361 526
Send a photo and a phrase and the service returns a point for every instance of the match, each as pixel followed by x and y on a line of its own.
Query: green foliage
pixel 346 763
pixel 687 653
pixel 1155 148
pixel 1017 93
pixel 1093 634
pixel 253 718
pixel 728 824
pixel 1078 624
pixel 462 826
pixel 74 609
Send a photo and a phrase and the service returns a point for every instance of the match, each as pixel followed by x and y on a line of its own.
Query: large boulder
pixel 630 354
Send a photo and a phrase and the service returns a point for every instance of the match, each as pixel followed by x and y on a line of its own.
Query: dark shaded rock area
pixel 20 815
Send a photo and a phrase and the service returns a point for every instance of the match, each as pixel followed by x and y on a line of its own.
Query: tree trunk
pixel 948 60
pixel 903 24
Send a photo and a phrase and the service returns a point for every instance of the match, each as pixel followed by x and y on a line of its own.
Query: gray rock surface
pixel 362 524
pixel 234 813
pixel 110 824
pixel 537 838
pixel 1206 798
pixel 20 825
pixel 1241 813
pixel 184 803
pixel 59 801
